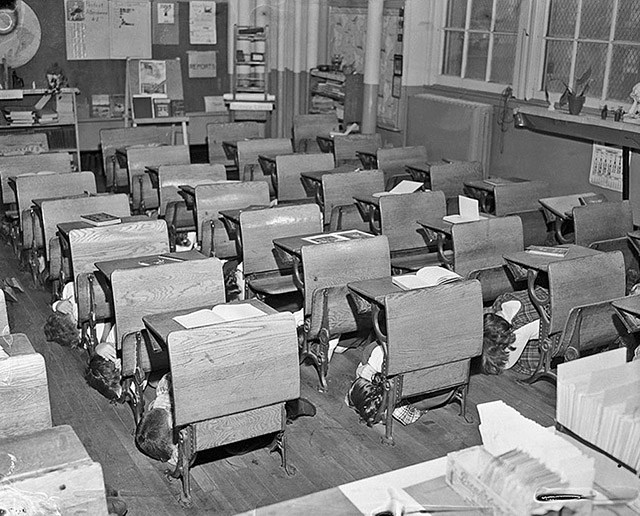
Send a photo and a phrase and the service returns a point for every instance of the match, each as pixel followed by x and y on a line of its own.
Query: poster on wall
pixel 153 77
pixel 202 22
pixel 165 23
pixel 130 23
pixel 87 29
pixel 202 64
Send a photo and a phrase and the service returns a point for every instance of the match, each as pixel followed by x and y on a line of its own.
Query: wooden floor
pixel 327 450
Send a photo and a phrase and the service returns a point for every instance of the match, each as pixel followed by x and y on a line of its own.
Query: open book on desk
pixel 426 277
pixel 218 314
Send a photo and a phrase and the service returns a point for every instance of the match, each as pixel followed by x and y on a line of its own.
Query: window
pixel 536 44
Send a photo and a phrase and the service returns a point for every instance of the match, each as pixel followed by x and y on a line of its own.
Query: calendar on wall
pixel 606 167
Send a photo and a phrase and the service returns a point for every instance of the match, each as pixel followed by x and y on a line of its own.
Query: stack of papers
pixel 597 399
pixel 504 429
pixel 426 277
pixel 468 209
pixel 218 314
pixel 403 187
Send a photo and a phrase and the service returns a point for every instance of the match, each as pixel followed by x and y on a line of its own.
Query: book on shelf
pixel 544 250
pixel 403 187
pixel 101 219
pixel 218 314
pixel 100 106
pixel 429 276
pixel 161 108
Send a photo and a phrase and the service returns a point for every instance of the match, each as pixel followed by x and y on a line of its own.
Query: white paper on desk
pixel 371 494
pixel 403 187
pixel 468 209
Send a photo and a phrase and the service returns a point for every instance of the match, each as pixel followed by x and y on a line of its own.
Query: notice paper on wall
pixel 165 23
pixel 201 63
pixel 606 167
pixel 202 23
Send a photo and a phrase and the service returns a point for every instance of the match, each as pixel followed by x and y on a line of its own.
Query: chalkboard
pixel 108 76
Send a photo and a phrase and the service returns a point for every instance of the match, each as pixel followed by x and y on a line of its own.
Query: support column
pixel 372 67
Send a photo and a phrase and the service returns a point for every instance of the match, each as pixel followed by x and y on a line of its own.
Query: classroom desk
pixel 231 150
pixel 628 311
pixel 420 172
pixel 312 181
pixel 161 325
pixel 325 142
pixel 484 190
pixel 154 175
pixel 231 221
pixel 293 246
pixel 174 121
pixel 560 210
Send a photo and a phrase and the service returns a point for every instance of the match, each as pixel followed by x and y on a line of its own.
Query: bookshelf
pixel 40 111
pixel 336 92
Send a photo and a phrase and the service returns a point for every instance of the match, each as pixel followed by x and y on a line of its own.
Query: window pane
pixel 457 14
pixel 557 65
pixel 452 61
pixel 481 11
pixel 626 61
pixel 628 22
pixel 594 56
pixel 562 18
pixel 504 51
pixel 596 19
pixel 477 56
pixel 507 15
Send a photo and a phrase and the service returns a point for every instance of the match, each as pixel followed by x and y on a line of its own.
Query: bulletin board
pixel 348 28
pixel 94 77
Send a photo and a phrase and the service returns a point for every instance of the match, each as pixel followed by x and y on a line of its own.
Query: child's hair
pixel 497 339
pixel 62 328
pixel 154 435
pixel 367 398
pixel 104 376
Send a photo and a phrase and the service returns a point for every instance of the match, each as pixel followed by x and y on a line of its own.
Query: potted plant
pixel 575 97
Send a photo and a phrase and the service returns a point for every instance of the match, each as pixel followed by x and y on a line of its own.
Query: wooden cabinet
pixel 335 91
pixel 38 111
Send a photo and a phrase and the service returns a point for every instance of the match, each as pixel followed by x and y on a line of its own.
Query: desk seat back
pixel 337 264
pixel 399 215
pixel 233 367
pixel 307 127
pixel 393 160
pixel 140 157
pixel 24 395
pixel 449 177
pixel 260 227
pixel 339 189
pixel 162 288
pixel 602 221
pixel 481 244
pixel 213 198
pixel 288 170
pixel 249 150
pixel 433 326
pixel 112 139
pixel 29 164
pixel 57 211
pixel 50 184
pixel 102 243
pixel 345 147
pixel 170 177
pixel 229 131
pixel 519 197
pixel 583 281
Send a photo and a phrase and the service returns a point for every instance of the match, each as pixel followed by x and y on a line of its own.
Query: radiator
pixel 450 128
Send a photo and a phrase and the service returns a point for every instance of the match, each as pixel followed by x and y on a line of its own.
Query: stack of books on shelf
pixel 518 460
pixel 322 104
pixel 598 400
pixel 47 117
pixel 329 88
pixel 19 115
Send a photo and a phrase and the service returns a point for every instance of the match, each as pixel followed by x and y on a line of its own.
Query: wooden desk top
pixel 374 290
pixel 629 304
pixel 233 215
pixel 161 325
pixel 293 244
pixel 541 262
pixel 66 227
pixel 316 176
pixel 107 268
pixel 489 186
pixel 38 202
pixel 563 205
pixel 371 200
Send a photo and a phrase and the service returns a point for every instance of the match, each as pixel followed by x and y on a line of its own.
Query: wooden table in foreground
pixel 425 483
